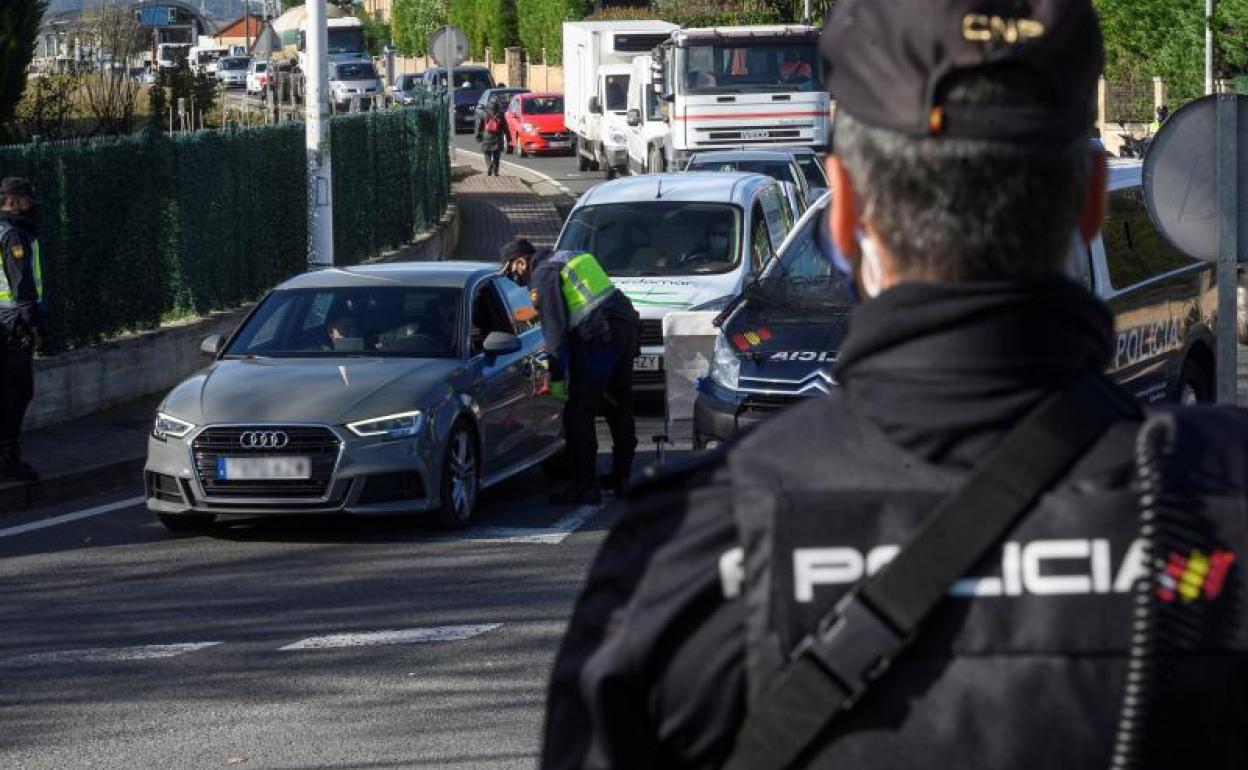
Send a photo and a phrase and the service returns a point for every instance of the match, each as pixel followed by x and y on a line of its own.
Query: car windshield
pixel 775 64
pixel 382 321
pixel 234 64
pixel 544 105
pixel 356 71
pixel 657 237
pixel 261 66
pixel 779 170
pixel 616 92
pixel 470 80
pixel 801 277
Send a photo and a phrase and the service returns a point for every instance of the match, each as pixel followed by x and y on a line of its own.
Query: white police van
pixel 678 242
pixel 778 344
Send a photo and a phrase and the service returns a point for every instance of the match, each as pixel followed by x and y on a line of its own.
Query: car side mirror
pixel 212 345
pixel 501 344
pixel 634 117
pixel 595 106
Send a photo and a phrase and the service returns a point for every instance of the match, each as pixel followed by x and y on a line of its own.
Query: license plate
pixel 560 145
pixel 257 468
pixel 755 134
pixel 648 364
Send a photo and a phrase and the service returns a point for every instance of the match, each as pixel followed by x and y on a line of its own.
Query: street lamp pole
pixel 320 170
pixel 1209 46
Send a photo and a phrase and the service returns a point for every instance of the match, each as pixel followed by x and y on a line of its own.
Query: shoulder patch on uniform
pixel 17 251
pixel 533 296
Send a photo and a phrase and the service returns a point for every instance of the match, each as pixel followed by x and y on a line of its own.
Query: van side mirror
pixel 501 344
pixel 212 345
pixel 595 106
pixel 634 117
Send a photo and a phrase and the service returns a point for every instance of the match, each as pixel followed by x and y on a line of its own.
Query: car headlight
pixel 725 365
pixel 529 128
pixel 618 138
pixel 167 427
pixel 391 426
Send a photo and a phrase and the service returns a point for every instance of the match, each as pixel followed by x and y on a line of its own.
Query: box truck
pixel 597 65
pixel 735 88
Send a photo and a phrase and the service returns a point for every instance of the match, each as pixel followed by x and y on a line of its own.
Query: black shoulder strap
pixel 856 642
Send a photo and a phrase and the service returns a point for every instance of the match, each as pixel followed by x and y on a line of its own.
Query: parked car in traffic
pixel 232 71
pixel 470 83
pixel 259 77
pixel 780 165
pixel 386 389
pixel 536 124
pixel 353 81
pixel 502 96
pixel 678 242
pixel 777 344
pixel 812 168
pixel 407 88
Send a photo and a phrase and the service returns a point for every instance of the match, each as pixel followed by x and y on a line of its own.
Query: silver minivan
pixel 688 241
pixel 353 80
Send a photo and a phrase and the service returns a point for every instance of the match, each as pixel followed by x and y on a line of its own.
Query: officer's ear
pixel 1092 215
pixel 843 210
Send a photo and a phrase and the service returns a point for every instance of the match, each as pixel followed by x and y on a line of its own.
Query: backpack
pixel 494 124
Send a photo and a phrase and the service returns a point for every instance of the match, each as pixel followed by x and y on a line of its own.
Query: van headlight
pixel 618 138
pixel 725 365
pixel 390 426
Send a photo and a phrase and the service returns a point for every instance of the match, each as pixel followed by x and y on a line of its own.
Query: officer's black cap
pixel 888 63
pixel 16 185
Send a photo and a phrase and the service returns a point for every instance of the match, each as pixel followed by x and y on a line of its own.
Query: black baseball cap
pixel 887 62
pixel 16 185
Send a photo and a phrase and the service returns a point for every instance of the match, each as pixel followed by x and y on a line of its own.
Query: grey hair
pixel 952 209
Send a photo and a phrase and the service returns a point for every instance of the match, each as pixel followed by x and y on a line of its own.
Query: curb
pixel 431 245
pixel 17 497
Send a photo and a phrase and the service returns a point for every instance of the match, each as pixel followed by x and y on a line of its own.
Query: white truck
pixel 734 88
pixel 597 65
pixel 205 54
pixel 345 38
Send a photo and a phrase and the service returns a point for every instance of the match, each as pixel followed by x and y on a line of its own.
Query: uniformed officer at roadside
pixel 764 606
pixel 21 319
pixel 591 332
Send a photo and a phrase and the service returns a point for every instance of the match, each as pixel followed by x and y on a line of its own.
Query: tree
pixel 111 94
pixel 19 26
pixel 413 21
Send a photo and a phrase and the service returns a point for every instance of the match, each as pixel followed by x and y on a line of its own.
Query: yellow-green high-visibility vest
pixel 585 286
pixel 6 291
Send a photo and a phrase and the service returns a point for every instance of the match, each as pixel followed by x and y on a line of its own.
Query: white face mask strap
pixel 870 272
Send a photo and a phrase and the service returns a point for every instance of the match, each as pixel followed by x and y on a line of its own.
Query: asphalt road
pixel 560 170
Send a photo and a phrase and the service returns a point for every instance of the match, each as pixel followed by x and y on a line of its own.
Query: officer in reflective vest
pixel 591 332
pixel 21 319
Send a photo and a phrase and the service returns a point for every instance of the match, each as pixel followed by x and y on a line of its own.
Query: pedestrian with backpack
pixel 977 552
pixel 493 136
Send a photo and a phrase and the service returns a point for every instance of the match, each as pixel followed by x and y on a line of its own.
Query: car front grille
pixel 562 136
pixel 758 402
pixel 651 334
pixel 319 445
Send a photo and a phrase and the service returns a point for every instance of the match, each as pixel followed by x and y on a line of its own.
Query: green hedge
pixel 137 229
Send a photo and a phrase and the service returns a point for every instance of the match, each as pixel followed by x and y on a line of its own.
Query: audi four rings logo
pixel 264 439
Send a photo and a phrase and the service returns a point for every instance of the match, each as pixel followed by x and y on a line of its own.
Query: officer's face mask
pixel 858 290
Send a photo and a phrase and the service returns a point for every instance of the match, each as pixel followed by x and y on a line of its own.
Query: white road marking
pixel 560 186
pixel 552 535
pixel 397 636
pixel 105 654
pixel 67 517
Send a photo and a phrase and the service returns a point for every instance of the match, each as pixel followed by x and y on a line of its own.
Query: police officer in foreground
pixel 591 332
pixel 21 320
pixel 950 562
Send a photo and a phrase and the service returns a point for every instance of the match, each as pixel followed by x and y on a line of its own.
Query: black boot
pixel 11 466
pixel 614 484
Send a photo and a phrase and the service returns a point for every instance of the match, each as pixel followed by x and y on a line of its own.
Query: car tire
pixel 582 163
pixel 610 173
pixel 1195 384
pixel 656 164
pixel 461 479
pixel 186 523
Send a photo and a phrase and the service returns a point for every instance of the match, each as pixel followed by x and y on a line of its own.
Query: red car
pixel 536 123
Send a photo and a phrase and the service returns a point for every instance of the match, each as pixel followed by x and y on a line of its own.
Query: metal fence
pixel 136 229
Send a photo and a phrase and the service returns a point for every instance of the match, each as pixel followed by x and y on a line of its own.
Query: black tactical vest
pixel 1026 664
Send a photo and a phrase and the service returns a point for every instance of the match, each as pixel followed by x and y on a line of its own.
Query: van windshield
pixel 781 171
pixel 801 278
pixel 657 237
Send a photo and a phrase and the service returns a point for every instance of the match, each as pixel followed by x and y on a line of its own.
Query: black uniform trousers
pixel 601 382
pixel 17 388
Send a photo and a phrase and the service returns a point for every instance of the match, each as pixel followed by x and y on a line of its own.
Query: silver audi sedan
pixel 387 389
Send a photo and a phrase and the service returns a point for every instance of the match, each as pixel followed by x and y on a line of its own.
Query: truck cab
pixel 678 242
pixel 739 87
